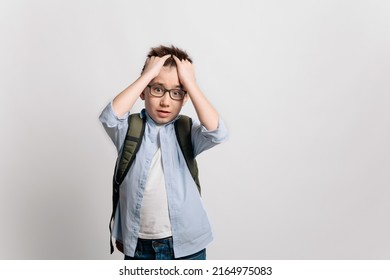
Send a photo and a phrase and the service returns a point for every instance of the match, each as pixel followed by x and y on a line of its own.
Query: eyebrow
pixel 161 84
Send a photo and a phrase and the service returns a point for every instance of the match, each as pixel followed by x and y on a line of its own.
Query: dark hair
pixel 161 50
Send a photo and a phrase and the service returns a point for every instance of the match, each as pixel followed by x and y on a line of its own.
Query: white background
pixel 302 85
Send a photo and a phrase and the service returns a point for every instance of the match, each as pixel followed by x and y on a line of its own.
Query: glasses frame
pixel 165 91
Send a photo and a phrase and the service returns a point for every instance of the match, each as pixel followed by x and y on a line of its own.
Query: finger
pixel 165 57
pixel 176 59
pixel 150 60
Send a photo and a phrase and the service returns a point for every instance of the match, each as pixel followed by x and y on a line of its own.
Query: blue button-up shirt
pixel 191 231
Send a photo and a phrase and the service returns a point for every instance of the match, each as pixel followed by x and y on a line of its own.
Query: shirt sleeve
pixel 115 126
pixel 204 139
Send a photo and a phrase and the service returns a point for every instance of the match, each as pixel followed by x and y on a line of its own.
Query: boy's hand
pixel 154 64
pixel 186 72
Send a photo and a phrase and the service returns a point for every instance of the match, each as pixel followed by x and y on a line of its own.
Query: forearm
pixel 126 99
pixel 207 114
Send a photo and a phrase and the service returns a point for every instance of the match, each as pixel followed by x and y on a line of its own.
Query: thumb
pixel 165 57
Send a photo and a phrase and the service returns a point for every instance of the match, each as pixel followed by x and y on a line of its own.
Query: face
pixel 164 109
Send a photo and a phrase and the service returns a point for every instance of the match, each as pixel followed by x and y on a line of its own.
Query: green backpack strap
pixel 131 145
pixel 183 126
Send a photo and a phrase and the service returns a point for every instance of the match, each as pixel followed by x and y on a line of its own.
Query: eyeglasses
pixel 158 90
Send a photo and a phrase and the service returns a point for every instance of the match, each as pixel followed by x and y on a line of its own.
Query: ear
pixel 142 95
pixel 186 97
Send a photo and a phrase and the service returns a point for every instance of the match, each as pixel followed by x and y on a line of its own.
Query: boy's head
pixel 165 108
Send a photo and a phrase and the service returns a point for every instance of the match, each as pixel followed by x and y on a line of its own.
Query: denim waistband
pixel 150 240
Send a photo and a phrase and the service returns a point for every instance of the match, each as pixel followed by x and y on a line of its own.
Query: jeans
pixel 160 249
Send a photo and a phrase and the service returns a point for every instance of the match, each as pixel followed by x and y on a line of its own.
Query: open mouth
pixel 163 113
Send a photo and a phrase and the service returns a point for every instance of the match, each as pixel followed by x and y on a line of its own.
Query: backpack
pixel 131 145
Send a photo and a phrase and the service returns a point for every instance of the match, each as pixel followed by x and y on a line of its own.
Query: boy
pixel 160 213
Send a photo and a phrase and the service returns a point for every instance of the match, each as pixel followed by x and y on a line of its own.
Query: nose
pixel 165 99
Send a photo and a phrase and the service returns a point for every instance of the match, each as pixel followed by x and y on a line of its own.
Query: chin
pixel 160 120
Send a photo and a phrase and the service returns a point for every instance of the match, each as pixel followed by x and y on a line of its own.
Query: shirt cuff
pixel 218 135
pixel 110 118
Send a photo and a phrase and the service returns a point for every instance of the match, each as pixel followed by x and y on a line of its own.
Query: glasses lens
pixel 177 94
pixel 157 90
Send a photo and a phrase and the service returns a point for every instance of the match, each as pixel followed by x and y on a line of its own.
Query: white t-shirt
pixel 155 222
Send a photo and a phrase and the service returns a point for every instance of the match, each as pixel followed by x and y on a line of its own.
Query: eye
pixel 158 89
pixel 177 93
